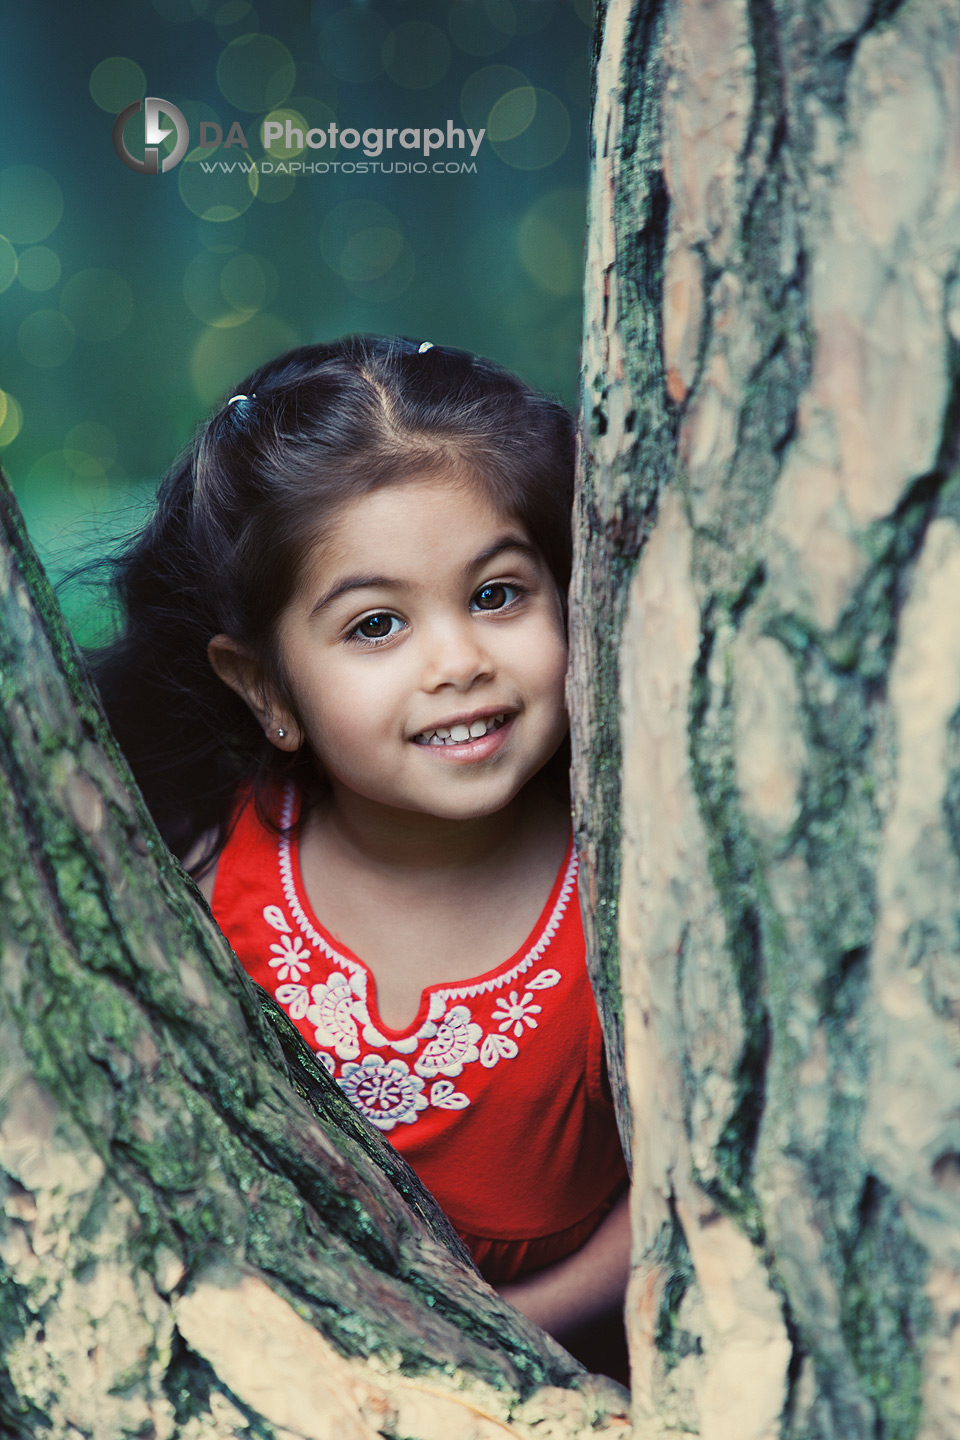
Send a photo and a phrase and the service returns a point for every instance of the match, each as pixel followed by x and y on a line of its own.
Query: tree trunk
pixel 767 640
pixel 199 1236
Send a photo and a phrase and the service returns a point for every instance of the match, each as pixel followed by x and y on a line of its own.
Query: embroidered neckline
pixel 354 967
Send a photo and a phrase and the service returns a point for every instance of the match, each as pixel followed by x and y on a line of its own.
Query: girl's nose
pixel 457 656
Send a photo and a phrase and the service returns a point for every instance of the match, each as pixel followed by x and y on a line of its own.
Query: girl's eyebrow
pixel 369 582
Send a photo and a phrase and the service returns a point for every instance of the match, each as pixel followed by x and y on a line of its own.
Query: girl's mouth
pixel 461 734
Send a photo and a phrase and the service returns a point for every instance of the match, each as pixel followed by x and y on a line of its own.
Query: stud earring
pixel 281 733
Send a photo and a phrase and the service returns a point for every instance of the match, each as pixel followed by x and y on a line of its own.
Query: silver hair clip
pixel 427 345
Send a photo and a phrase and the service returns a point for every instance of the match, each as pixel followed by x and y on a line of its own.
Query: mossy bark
pixel 767 655
pixel 199 1236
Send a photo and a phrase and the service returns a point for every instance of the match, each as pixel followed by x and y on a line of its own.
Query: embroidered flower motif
pixel 327 1061
pixel 385 1092
pixel 332 1013
pixel 443 1095
pixel 516 1013
pixel 454 1045
pixel 296 998
pixel 496 1048
pixel 291 958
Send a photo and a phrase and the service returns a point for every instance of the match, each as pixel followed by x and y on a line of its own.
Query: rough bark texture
pixel 199 1236
pixel 767 637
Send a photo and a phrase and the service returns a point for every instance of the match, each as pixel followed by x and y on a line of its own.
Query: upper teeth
pixel 456 734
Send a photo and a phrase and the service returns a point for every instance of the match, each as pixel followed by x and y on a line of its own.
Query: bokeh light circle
pixel 8 264
pixel 216 195
pixel 585 10
pixel 370 253
pixel 46 339
pixel 81 464
pixel 484 88
pixel 201 288
pixel 117 82
pixel 540 142
pixel 256 72
pixel 224 288
pixel 249 282
pixel 31 204
pixel 481 27
pixel 273 188
pixel 344 221
pixel 221 358
pixel 93 439
pixel 196 112
pixel 11 418
pixel 377 265
pixel 512 114
pixel 38 268
pixel 550 240
pixel 363 242
pixel 299 127
pixel 223 235
pixel 98 303
pixel 416 55
pixel 351 43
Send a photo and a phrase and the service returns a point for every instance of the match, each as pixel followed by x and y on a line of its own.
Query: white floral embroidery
pixel 296 998
pixel 384 1091
pixel 448 1040
pixel 517 1013
pixel 274 916
pixel 291 956
pixel 454 1045
pixel 333 1014
pixel 495 1048
pixel 443 1095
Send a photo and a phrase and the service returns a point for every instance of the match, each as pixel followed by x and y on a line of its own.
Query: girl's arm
pixel 205 884
pixel 587 1287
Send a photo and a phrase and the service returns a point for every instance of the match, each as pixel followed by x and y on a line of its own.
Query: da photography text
pixel 163 120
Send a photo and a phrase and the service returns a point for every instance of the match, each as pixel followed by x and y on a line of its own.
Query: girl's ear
pixel 237 668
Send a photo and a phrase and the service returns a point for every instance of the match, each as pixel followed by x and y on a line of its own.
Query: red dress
pixel 493 1094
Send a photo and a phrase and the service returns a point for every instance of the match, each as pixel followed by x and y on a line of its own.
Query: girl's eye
pixel 495 597
pixel 379 626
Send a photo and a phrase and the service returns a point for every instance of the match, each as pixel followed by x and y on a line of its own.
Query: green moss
pixel 885 1313
pixel 674 1341
pixel 738 885
pixel 19 1418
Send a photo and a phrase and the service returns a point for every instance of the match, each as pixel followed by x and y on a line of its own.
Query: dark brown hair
pixel 236 515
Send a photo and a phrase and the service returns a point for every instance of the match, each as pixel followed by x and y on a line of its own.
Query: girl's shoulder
pixel 245 817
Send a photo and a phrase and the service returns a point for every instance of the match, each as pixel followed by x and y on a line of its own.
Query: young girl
pixel 340 684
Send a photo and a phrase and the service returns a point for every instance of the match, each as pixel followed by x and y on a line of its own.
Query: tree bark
pixel 199 1236
pixel 767 645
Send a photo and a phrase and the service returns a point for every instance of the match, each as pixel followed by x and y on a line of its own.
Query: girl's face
pixel 426 653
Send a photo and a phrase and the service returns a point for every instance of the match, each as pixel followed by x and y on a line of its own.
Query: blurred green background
pixel 131 303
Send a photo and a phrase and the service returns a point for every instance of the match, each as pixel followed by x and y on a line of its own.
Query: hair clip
pixel 427 345
pixel 234 398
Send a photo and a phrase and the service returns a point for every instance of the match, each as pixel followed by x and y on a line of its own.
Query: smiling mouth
pixel 461 734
